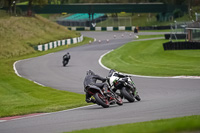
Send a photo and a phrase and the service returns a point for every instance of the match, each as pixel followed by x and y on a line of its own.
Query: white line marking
pixel 101 59
pixel 25 117
pixel 73 109
pixel 38 83
pixel 16 72
pixel 15 68
pixel 2 120
pixel 47 113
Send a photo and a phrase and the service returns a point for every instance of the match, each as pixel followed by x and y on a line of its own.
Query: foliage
pixel 177 13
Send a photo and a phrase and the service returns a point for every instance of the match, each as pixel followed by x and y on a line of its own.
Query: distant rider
pixel 66 57
pixel 91 79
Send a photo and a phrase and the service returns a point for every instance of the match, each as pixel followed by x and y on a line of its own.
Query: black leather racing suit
pixel 66 57
pixel 91 79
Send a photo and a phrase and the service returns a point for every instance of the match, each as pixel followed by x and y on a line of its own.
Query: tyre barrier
pixel 50 45
pixel 155 27
pixel 175 36
pixel 181 45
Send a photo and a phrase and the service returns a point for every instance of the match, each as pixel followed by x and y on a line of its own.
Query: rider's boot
pixel 90 100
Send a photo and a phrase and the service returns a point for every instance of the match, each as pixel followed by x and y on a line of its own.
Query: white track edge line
pixel 14 67
pixel 42 114
pixel 16 72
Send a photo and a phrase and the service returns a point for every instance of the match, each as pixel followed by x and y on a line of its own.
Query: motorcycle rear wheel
pixel 119 100
pixel 101 100
pixel 127 95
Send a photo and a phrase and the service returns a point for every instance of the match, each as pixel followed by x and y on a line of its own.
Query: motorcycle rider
pixel 91 79
pixel 66 57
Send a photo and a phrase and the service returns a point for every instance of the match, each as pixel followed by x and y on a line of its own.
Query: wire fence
pixel 179 27
pixel 115 22
pixel 185 30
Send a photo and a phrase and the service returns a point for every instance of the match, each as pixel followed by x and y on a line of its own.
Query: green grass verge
pixel 19 96
pixel 188 124
pixel 149 58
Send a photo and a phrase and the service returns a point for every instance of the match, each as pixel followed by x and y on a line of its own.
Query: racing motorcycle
pixel 65 60
pixel 124 84
pixel 103 99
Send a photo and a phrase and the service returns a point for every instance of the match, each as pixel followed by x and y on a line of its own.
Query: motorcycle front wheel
pixel 65 63
pixel 138 98
pixel 101 100
pixel 127 95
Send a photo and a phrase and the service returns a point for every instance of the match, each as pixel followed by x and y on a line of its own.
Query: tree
pixel 10 6
pixel 2 3
pixel 31 2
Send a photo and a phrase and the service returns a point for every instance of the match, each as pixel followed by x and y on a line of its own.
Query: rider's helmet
pixel 90 72
pixel 111 72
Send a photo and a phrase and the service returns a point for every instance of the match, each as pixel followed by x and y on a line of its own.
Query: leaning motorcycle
pixel 65 61
pixel 124 84
pixel 105 100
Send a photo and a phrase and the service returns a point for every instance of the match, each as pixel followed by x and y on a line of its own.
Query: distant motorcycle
pixel 124 84
pixel 66 58
pixel 105 100
pixel 65 62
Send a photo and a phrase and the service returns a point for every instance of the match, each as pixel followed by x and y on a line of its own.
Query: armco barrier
pixel 58 43
pixel 181 45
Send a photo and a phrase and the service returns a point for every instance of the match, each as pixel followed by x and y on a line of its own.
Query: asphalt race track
pixel 161 97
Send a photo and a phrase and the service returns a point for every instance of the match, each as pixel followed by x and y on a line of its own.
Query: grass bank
pixel 21 33
pixel 19 96
pixel 188 124
pixel 149 58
